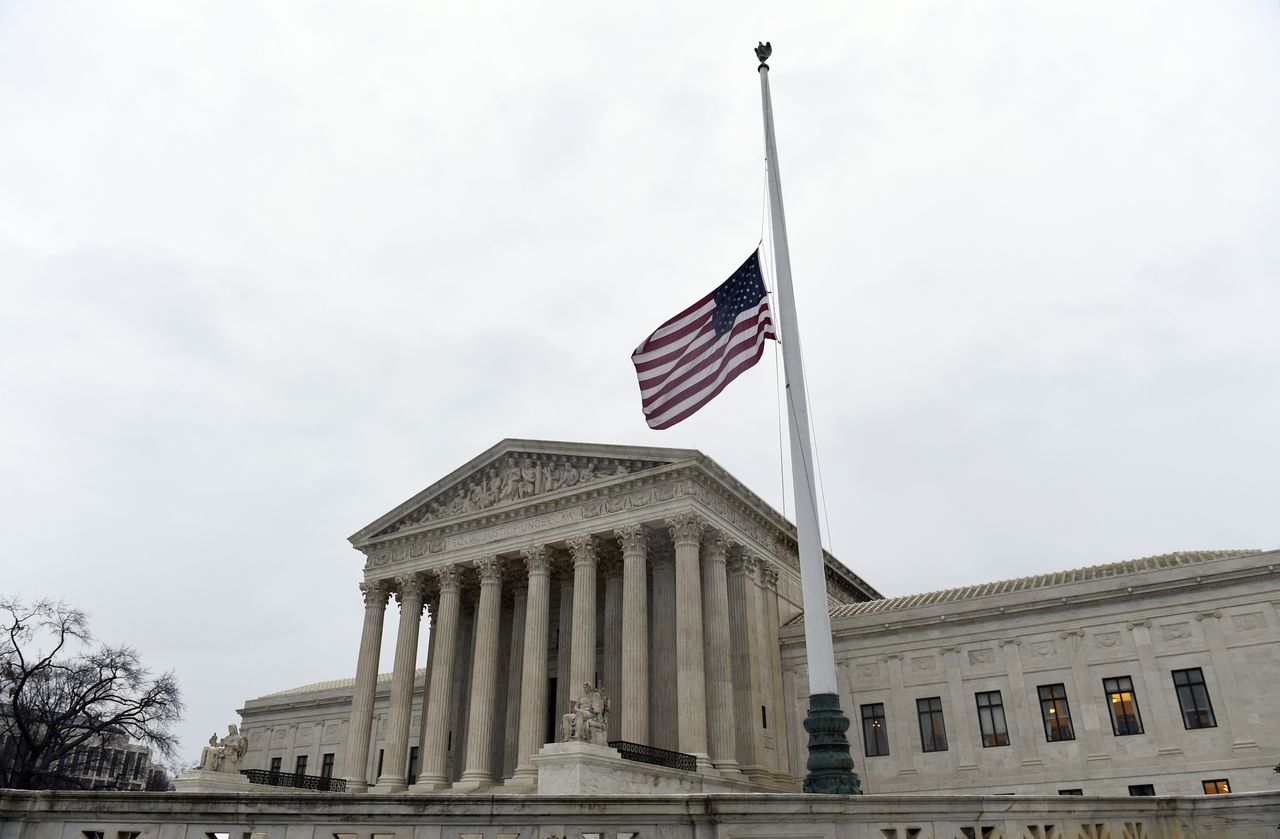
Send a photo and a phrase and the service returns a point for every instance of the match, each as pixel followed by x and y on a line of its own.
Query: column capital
pixel 584 548
pixel 450 579
pixel 632 538
pixel 769 574
pixel 686 528
pixel 410 587
pixel 716 546
pixel 537 560
pixel 490 569
pixel 375 593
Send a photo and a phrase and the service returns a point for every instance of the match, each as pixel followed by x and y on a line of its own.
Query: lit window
pixel 995 731
pixel 1193 698
pixel 875 734
pixel 1056 713
pixel 1219 786
pixel 1123 706
pixel 933 732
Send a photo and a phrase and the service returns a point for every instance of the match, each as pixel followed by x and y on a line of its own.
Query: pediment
pixel 514 472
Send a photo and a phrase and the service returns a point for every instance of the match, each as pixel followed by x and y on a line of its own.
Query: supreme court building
pixel 541 567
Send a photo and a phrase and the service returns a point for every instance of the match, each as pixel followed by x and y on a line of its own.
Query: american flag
pixel 690 358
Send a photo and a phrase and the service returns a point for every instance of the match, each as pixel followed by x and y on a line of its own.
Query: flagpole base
pixel 830 765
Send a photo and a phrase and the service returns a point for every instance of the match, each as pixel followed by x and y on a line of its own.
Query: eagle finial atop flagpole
pixel 763 50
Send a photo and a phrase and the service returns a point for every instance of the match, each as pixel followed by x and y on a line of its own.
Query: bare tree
pixel 62 702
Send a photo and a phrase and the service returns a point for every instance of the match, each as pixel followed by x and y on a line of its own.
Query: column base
pixel 432 784
pixel 728 768
pixel 387 788
pixel 830 765
pixel 472 783
pixel 525 778
pixel 357 787
pixel 703 762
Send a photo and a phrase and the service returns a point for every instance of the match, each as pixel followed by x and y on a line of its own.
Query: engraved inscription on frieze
pixel 517 477
pixel 1248 621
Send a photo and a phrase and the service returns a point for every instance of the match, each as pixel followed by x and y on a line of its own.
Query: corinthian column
pixel 611 667
pixel 582 657
pixel 410 596
pixel 635 635
pixel 769 573
pixel 533 676
pixel 662 661
pixel 360 727
pixel 686 533
pixel 715 623
pixel 435 741
pixel 484 678
pixel 744 646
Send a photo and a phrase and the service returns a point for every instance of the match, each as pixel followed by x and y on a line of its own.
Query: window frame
pixel 925 708
pixel 300 765
pixel 1191 696
pixel 1222 786
pixel 994 718
pixel 881 735
pixel 1055 712
pixel 1142 790
pixel 1111 687
pixel 326 764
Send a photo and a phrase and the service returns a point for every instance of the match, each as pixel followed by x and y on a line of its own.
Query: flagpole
pixel 830 764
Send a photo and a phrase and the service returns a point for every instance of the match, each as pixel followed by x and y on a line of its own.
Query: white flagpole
pixel 830 765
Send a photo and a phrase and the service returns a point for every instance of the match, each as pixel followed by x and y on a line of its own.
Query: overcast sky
pixel 268 270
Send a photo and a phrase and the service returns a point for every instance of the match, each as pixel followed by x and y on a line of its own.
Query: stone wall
pixel 26 815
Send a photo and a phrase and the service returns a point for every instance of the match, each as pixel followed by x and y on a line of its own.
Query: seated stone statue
pixel 588 722
pixel 224 755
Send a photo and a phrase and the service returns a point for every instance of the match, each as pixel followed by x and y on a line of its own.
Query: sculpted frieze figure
pixel 516 478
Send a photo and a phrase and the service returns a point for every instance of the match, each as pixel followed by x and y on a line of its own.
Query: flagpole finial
pixel 763 50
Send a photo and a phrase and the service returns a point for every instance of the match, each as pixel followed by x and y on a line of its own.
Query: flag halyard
pixel 694 355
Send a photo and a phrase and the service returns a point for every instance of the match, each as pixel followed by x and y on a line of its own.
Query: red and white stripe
pixel 682 365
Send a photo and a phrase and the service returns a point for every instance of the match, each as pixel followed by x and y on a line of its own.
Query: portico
pixel 542 567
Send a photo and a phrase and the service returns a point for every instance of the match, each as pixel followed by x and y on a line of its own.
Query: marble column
pixel 686 533
pixel 769 573
pixel 1229 711
pixel 1085 704
pixel 433 617
pixel 360 729
pixel 611 670
pixel 410 596
pixel 662 725
pixel 533 675
pixel 564 635
pixel 963 735
pixel 634 700
pixel 478 769
pixel 744 650
pixel 718 656
pixel 515 664
pixel 433 757
pixel 582 656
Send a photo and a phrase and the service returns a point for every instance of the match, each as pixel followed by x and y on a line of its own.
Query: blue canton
pixel 741 292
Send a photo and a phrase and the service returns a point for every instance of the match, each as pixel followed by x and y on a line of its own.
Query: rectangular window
pixel 1193 698
pixel 301 766
pixel 326 765
pixel 275 763
pixel 933 732
pixel 995 731
pixel 1123 705
pixel 875 734
pixel 1056 713
pixel 1070 792
pixel 1219 786
pixel 1142 789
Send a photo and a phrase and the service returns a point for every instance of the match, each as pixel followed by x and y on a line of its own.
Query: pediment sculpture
pixel 516 477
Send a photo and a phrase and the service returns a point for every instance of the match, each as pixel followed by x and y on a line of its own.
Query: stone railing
pixel 312 815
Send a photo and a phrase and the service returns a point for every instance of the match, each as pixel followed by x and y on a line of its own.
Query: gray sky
pixel 268 270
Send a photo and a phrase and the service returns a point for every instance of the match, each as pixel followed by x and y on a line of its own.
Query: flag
pixel 694 355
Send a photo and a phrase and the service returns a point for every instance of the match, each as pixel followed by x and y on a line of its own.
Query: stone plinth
pixel 202 780
pixel 577 768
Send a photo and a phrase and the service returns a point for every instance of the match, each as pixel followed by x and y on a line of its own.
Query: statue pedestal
pixel 577 768
pixel 202 780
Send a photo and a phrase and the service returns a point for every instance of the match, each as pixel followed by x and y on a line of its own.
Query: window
pixel 1070 792
pixel 995 732
pixel 1123 706
pixel 1193 698
pixel 1142 789
pixel 326 765
pixel 1056 713
pixel 933 732
pixel 1219 786
pixel 875 734
pixel 275 763
pixel 301 766
pixel 413 764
